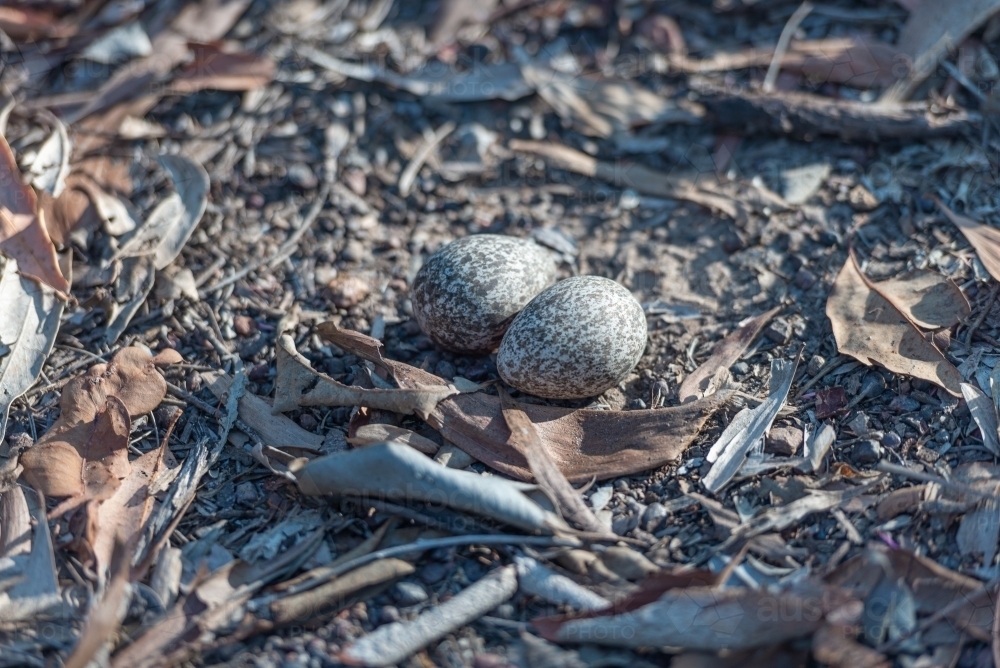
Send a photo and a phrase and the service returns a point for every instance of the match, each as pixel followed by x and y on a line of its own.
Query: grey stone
pixel 655 512
pixel 302 176
pixel 409 593
pixel 866 452
pixel 246 494
pixel 784 441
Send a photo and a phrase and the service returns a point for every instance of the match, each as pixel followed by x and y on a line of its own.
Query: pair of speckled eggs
pixel 566 340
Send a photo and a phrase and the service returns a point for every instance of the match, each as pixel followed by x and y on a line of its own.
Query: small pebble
pixel 655 512
pixel 804 279
pixel 637 404
pixel 740 369
pixel 302 176
pixel 867 452
pixel 244 325
pixel 307 421
pixel 445 369
pixel 409 593
pixel 433 572
pixel 347 290
pixel 784 441
pixel 354 251
pixel 246 494
pixel 388 614
pixel 816 362
pixel 904 404
pixel 891 439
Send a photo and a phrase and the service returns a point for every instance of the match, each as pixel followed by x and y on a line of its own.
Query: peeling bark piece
pixel 396 471
pixel 584 443
pixel 23 236
pixel 543 582
pixel 330 596
pixel 748 428
pixel 392 643
pixel 869 328
pixel 724 355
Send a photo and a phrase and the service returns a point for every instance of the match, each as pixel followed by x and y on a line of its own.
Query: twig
pixel 982 314
pixel 408 175
pixel 285 250
pixel 782 47
pixel 822 373
pixel 421 546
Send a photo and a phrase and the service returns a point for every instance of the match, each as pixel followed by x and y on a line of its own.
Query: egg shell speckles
pixel 577 339
pixel 467 293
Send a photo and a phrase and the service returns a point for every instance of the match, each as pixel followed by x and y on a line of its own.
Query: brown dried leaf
pixel 583 443
pixel 120 518
pixel 927 298
pixel 215 68
pixel 298 384
pixel 524 438
pixel 983 238
pixel 869 328
pixel 95 408
pixel 724 355
pixel 82 469
pixel 23 236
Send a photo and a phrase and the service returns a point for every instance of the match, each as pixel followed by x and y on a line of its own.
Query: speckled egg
pixel 576 339
pixel 467 293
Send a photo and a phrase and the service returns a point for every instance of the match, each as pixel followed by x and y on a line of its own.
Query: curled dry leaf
pixel 174 219
pixel 23 236
pixel 382 433
pixel 524 437
pixel 51 165
pixel 583 443
pixel 81 455
pixel 28 327
pixel 298 384
pixel 985 239
pixel 706 379
pixel 868 327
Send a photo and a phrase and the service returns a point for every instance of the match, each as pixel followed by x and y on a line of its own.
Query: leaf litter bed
pixel 251 455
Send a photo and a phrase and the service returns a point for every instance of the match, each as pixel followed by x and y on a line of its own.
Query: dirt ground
pixel 263 263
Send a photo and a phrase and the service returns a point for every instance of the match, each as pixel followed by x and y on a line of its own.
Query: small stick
pixel 782 47
pixel 982 314
pixel 410 171
pixel 286 249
